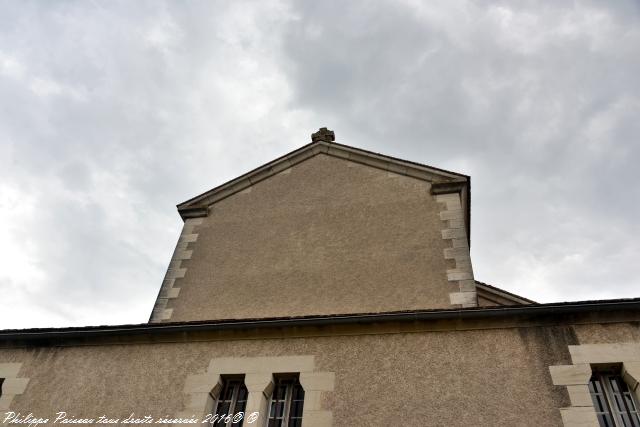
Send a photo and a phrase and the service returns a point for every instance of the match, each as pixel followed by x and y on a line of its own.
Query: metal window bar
pixel 232 399
pixel 287 402
pixel 600 402
pixel 614 403
pixel 623 404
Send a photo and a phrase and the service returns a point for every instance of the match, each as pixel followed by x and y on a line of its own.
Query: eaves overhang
pixel 552 313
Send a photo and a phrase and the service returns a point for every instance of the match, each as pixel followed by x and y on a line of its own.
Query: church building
pixel 332 286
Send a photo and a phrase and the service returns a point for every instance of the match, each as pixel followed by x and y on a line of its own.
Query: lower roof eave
pixel 53 335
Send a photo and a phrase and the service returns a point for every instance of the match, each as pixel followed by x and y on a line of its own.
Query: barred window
pixel 232 399
pixel 287 400
pixel 614 403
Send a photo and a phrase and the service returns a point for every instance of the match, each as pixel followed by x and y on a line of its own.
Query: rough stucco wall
pixel 608 333
pixel 482 377
pixel 326 236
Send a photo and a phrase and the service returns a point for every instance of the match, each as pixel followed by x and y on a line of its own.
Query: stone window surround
pixel 575 377
pixel 258 377
pixel 12 385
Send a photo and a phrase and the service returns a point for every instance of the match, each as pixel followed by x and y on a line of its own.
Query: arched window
pixel 615 404
pixel 287 400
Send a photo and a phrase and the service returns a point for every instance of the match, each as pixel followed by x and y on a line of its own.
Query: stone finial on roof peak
pixel 323 134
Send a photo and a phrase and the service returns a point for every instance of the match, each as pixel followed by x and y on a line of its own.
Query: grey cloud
pixel 113 112
pixel 536 101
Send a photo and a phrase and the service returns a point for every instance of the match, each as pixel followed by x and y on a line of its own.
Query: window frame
pixel 294 379
pixel 259 372
pixel 603 375
pixel 239 384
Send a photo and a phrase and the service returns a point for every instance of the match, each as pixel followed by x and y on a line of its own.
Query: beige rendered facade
pixel 348 273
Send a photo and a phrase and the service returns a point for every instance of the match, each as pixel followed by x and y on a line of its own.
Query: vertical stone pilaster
pixel 260 386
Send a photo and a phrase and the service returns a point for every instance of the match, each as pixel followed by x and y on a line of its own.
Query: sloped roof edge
pixel 198 205
pixel 504 294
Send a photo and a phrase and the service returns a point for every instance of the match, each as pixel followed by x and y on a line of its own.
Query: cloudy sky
pixel 113 112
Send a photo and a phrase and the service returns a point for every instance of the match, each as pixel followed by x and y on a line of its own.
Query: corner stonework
pixel 461 276
pixel 12 385
pixel 168 290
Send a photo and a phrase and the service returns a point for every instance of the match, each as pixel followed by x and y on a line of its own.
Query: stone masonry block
pixel 181 246
pixel 319 381
pixel 313 399
pixel 174 263
pixel 9 370
pixel 580 416
pixel 201 383
pixel 454 205
pixel 463 298
pixel 187 229
pixel 456 223
pixel 14 385
pixel 454 233
pixel 455 253
pixel 173 292
pixel 180 255
pixel 168 283
pixel 579 395
pixel 236 365
pixel 449 215
pixel 459 276
pixel 176 273
pixel 313 418
pixel 446 198
pixel 464 264
pixel 188 238
pixel 166 314
pixel 164 294
pixel 467 286
pixel 460 243
pixel 193 221
pixel 258 381
pixel 570 374
pixel 605 353
pixel 5 401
